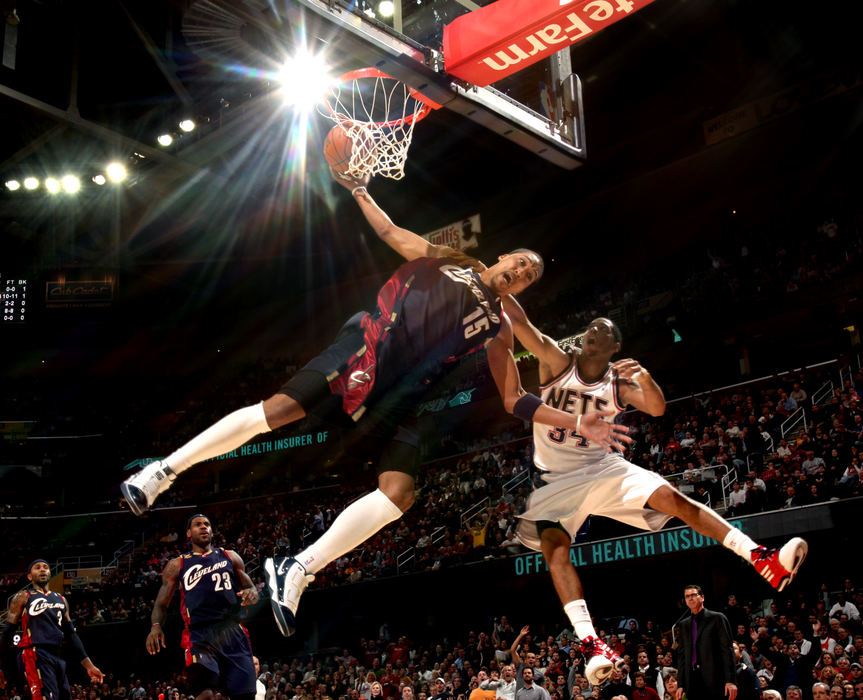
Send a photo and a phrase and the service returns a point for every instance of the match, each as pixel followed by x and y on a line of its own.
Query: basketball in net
pixel 340 150
pixel 375 116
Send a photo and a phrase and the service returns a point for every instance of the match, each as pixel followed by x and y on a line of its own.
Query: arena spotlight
pixel 70 183
pixel 386 8
pixel 165 140
pixel 13 185
pixel 187 125
pixel 99 179
pixel 31 183
pixel 52 185
pixel 116 172
pixel 304 79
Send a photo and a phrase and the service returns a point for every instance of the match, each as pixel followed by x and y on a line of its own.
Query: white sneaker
pixel 143 487
pixel 286 581
pixel 600 660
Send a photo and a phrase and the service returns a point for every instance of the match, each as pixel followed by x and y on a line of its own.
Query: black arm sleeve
pixel 6 636
pixel 73 641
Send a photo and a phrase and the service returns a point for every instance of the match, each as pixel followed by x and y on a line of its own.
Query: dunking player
pixel 437 307
pixel 43 617
pixel 214 586
pixel 581 478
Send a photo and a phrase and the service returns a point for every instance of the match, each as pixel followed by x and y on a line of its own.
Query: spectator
pixel 706 655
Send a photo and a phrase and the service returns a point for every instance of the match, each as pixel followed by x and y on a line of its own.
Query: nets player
pixel 214 587
pixel 43 618
pixel 581 478
pixel 438 306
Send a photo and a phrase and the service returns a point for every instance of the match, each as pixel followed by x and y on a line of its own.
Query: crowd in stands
pixel 791 644
pixel 467 504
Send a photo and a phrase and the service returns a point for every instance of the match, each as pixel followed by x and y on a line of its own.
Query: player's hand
pixel 95 674
pixel 731 691
pixel 155 640
pixel 525 630
pixel 348 182
pixel 249 596
pixel 610 435
pixel 627 369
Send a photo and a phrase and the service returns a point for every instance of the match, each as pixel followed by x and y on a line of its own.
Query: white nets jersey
pixel 560 450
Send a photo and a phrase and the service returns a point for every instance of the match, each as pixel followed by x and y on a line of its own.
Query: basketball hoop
pixel 378 113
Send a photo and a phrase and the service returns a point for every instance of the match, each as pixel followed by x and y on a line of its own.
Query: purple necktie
pixel 694 637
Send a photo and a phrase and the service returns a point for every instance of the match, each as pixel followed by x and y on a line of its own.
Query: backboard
pixel 539 108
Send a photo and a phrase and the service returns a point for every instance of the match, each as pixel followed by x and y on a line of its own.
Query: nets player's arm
pixel 170 577
pixel 546 349
pixel 74 641
pixel 637 388
pixel 530 407
pixel 248 593
pixel 13 617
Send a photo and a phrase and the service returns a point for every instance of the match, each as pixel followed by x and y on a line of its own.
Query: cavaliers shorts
pixel 344 386
pixel 222 658
pixel 45 673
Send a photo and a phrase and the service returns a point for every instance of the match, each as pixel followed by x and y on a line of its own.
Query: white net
pixel 378 114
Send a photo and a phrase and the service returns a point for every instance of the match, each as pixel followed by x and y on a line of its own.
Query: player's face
pixel 40 573
pixel 200 530
pixel 599 338
pixel 514 272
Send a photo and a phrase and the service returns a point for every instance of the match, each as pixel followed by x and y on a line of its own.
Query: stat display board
pixel 13 298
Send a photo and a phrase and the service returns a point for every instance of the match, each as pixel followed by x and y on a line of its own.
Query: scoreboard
pixel 13 299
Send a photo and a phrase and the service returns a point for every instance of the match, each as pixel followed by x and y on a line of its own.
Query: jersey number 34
pixel 558 435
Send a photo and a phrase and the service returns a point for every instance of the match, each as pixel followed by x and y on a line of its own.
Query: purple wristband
pixel 526 406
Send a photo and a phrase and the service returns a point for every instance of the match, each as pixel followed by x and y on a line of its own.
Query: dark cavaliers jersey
pixel 42 619
pixel 208 590
pixel 430 313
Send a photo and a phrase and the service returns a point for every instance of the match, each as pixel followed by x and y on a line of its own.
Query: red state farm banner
pixel 500 39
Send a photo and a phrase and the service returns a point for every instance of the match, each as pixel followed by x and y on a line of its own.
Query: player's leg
pixel 288 577
pixel 232 431
pixel 600 660
pixel 777 566
pixel 237 667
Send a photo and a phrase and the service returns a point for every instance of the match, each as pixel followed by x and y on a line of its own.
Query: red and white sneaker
pixel 601 660
pixel 779 566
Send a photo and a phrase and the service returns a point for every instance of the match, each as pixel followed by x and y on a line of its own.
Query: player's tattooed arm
pixel 16 607
pixel 170 577
pixel 248 593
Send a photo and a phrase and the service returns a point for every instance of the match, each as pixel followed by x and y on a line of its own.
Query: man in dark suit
pixel 706 657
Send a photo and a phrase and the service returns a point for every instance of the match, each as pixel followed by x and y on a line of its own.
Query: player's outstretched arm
pixel 170 575
pixel 406 243
pixel 248 593
pixel 534 340
pixel 530 407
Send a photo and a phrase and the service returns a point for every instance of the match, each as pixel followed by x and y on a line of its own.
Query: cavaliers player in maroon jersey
pixel 214 589
pixel 43 618
pixel 437 307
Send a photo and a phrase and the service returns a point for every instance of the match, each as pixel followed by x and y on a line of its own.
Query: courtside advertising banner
pixel 461 235
pixel 500 39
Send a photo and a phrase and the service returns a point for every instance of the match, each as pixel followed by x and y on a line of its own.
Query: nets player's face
pixel 40 573
pixel 599 337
